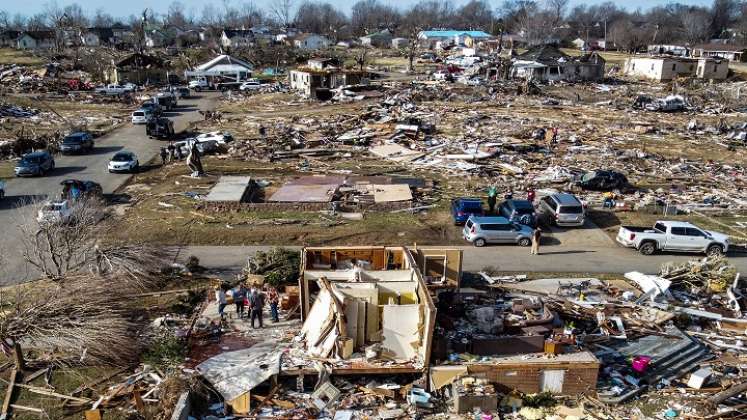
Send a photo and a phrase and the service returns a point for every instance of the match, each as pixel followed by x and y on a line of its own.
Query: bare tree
pixel 557 9
pixel 62 247
pixel 102 19
pixel 695 26
pixel 83 320
pixel 282 10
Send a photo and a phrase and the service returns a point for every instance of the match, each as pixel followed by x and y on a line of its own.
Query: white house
pixel 667 68
pixel 236 38
pixel 36 40
pixel 311 42
pixel 433 39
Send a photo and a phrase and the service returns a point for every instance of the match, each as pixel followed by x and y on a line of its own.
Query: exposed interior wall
pixel 388 306
pixel 427 261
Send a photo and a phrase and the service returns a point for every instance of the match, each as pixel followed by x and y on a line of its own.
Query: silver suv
pixel 485 230
pixel 563 209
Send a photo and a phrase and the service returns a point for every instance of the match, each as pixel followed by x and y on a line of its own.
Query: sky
pixel 130 7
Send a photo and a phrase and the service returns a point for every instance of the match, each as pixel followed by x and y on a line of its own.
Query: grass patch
pixel 6 169
pixel 20 57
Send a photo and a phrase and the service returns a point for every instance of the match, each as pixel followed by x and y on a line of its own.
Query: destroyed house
pixel 547 63
pixel 723 51
pixel 665 68
pixel 314 82
pixel 349 193
pixel 140 69
pixel 370 300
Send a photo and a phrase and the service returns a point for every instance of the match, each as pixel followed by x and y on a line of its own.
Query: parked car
pixel 166 100
pixel 74 188
pixel 162 128
pixel 199 84
pixel 495 229
pixel 36 163
pixel 519 211
pixel 222 137
pixel 77 143
pixel 142 116
pixel 562 209
pixel 602 181
pixel 463 208
pixel 249 85
pixel 205 147
pixel 673 236
pixel 153 107
pixel 124 161
pixel 55 212
pixel 114 89
pixel 183 92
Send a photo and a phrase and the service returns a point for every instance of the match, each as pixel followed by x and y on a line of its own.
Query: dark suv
pixel 160 128
pixel 77 143
pixel 36 163
pixel 519 211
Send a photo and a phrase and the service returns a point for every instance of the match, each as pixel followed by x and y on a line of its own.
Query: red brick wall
pixel 578 379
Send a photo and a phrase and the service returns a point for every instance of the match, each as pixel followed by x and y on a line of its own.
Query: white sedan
pixel 124 162
pixel 252 84
pixel 55 212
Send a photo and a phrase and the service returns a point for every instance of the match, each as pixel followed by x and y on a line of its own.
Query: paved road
pixel 554 258
pixel 92 166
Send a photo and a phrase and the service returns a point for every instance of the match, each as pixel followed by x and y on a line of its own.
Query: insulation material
pixel 401 325
pixel 369 295
pixel 324 324
pixel 235 373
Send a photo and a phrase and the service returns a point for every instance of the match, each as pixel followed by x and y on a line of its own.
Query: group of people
pixel 171 153
pixel 249 301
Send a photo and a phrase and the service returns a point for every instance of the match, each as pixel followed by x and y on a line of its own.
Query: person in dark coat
pixel 257 302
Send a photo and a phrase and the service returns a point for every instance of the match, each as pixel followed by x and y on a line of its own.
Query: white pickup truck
pixel 673 236
pixel 114 89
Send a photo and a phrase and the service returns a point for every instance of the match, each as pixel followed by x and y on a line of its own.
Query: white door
pixel 552 381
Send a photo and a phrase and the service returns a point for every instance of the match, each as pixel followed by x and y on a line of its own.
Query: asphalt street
pixel 552 259
pixel 93 166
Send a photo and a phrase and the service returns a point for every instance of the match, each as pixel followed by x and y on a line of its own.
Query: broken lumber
pixel 727 393
pixel 9 394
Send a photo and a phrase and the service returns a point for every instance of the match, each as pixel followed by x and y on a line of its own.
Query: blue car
pixel 463 208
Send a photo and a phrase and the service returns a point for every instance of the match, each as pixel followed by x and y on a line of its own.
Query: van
pixel 563 209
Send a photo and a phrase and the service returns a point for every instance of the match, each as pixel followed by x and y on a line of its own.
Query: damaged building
pixel 319 77
pixel 547 63
pixel 665 68
pixel 138 68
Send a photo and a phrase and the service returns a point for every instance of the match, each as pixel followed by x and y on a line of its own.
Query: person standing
pixel 220 297
pixel 257 301
pixel 164 155
pixel 239 296
pixel 530 195
pixel 171 149
pixel 274 298
pixel 492 196
pixel 536 239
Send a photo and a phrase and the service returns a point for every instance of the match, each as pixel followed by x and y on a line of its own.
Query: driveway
pixel 93 166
